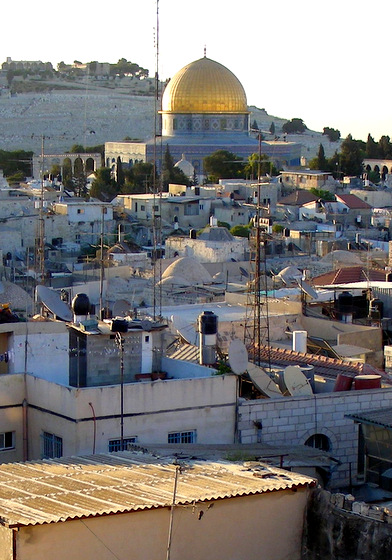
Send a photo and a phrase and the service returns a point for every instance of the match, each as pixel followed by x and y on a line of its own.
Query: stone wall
pixel 339 528
pixel 292 420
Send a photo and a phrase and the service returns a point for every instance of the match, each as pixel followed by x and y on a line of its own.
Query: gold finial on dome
pixel 204 86
pixel 205 51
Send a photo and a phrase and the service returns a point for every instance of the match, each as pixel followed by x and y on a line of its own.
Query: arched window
pixel 319 441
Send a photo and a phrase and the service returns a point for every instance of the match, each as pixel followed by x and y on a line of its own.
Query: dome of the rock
pixel 204 86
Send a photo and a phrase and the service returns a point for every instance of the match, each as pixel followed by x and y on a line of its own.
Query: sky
pixel 325 62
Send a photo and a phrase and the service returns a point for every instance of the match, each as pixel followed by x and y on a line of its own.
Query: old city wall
pixel 339 528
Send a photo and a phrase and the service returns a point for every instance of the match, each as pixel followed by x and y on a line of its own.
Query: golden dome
pixel 204 86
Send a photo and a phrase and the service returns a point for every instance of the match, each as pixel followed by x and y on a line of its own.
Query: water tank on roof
pixel 81 304
pixel 80 307
pixel 192 234
pixel 376 309
pixel 208 329
pixel 345 302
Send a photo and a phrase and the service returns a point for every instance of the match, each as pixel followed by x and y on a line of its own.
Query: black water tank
pixel 192 234
pixel 81 304
pixel 119 325
pixel 376 308
pixel 208 322
pixel 345 302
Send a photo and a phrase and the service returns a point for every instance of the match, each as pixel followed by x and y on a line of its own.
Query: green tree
pixel 254 126
pixel 79 178
pixel 351 157
pixel 120 173
pixel 240 231
pixel 372 148
pixel 294 126
pixel 385 147
pixel 104 187
pixel 332 133
pixel 139 179
pixel 170 173
pixel 272 128
pixel 15 161
pixel 320 161
pixel 223 164
pixel 266 166
pixel 323 194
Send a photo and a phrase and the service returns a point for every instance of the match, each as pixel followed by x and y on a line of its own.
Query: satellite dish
pixel 262 381
pixel 186 330
pixel 146 325
pixel 244 272
pixel 120 308
pixel 238 356
pixel 307 289
pixel 296 382
pixel 53 303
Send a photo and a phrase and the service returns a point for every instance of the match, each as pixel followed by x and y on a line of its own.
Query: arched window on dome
pixel 319 441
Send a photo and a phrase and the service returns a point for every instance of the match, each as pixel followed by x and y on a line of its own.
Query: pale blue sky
pixel 324 62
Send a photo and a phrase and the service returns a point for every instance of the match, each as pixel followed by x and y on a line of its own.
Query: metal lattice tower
pixel 257 331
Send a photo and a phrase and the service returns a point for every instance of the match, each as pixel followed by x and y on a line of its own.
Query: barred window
pixel 182 437
pixel 52 446
pixel 115 444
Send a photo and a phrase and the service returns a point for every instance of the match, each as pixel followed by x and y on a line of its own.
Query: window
pixel 182 437
pixel 52 446
pixel 80 210
pixel 142 208
pixel 115 444
pixel 77 238
pixel 156 208
pixel 319 441
pixel 7 440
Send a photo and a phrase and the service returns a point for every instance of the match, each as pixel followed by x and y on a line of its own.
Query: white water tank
pixel 300 341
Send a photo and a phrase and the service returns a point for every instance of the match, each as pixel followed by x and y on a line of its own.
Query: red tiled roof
pixel 352 201
pixel 349 274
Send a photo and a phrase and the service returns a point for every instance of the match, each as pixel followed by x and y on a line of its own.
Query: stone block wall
pixel 337 527
pixel 292 420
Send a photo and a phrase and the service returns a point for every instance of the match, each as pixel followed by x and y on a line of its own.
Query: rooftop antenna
pixel 260 333
pixel 157 184
pixel 40 244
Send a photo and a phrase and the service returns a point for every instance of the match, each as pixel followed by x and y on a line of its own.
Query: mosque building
pixel 204 109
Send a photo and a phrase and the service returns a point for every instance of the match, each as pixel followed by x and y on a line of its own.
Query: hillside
pixel 91 114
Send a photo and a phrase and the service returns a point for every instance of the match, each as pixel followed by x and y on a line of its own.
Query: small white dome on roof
pixel 185 166
pixel 188 269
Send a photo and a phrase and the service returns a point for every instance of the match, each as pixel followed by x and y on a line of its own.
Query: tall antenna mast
pixel 41 223
pixel 157 185
pixel 260 334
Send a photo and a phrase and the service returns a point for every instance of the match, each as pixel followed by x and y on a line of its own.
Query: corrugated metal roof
pixel 381 417
pixel 51 491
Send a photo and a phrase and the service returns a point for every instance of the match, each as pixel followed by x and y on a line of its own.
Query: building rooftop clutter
pixel 323 365
pixel 39 492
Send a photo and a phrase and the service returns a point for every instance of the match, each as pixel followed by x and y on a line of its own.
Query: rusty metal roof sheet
pixel 56 490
